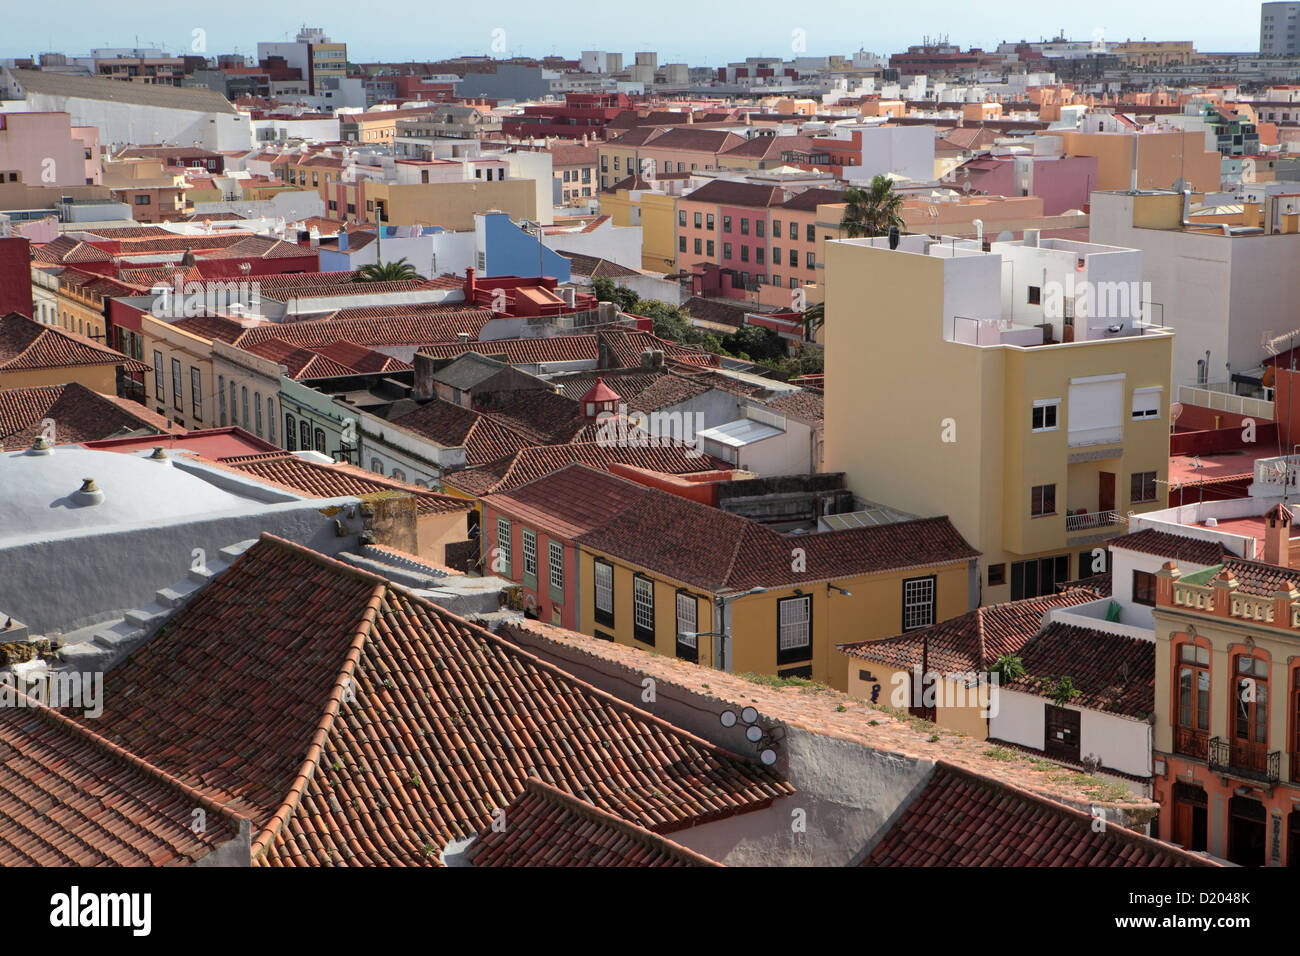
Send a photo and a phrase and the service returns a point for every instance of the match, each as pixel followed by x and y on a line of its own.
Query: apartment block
pixel 998 388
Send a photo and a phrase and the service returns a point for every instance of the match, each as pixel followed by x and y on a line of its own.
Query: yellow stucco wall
pixel 99 378
pixel 965 719
pixel 453 205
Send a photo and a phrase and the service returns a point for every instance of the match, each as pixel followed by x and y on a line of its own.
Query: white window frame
pixel 1046 403
pixel 1147 413
pixel 603 578
pixel 528 550
pixel 919 598
pixel 555 565
pixel 643 603
pixel 794 623
pixel 688 635
pixel 503 543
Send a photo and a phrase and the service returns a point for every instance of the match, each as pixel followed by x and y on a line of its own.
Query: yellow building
pixel 1162 157
pixel 450 205
pixel 648 568
pixel 33 354
pixel 1017 391
pixel 655 213
pixel 182 385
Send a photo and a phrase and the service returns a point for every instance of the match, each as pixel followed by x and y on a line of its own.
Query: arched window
pixel 376 466
pixel 420 482
pixel 270 419
pixel 320 439
pixel 399 474
pixel 257 413
pixel 290 433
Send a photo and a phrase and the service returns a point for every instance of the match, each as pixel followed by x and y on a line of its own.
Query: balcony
pixel 1244 759
pixel 1091 521
pixel 1190 743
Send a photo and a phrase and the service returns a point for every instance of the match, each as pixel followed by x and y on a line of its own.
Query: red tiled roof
pixel 79 414
pixel 531 463
pixel 961 819
pixel 68 797
pixel 726 192
pixel 66 249
pixel 1256 577
pixel 452 426
pixel 548 827
pixel 356 724
pixel 970 641
pixel 769 147
pixel 325 361
pixel 333 481
pixel 1112 673
pixel 622 348
pixel 1162 544
pixel 558 348
pixel 211 327
pixel 547 418
pixel 27 344
pixel 807 405
pixel 711 549
pixel 413 329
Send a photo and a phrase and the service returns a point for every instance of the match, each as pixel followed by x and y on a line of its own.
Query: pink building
pixel 45 149
pixel 1062 182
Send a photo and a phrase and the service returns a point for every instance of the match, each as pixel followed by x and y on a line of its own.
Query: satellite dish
pixel 1005 236
pixel 1175 410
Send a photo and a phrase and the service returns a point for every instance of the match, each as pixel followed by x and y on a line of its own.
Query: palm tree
pixel 814 317
pixel 387 271
pixel 871 211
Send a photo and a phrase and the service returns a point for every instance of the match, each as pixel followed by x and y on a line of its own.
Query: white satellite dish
pixel 1175 410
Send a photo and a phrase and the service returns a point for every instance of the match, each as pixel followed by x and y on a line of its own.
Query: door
pixel 1106 491
pixel 1190 818
pixel 1062 733
pixel 1247 832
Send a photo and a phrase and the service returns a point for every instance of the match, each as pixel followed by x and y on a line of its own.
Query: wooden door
pixel 1106 491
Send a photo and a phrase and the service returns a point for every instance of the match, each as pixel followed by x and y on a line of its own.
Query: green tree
pixel 814 317
pixel 755 343
pixel 387 271
pixel 870 212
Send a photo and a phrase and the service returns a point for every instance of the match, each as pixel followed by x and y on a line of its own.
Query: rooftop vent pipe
pixel 88 494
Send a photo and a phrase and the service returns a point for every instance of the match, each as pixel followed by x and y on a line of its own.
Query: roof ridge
pixel 311 761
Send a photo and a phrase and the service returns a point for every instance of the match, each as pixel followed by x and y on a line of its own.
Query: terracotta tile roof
pixel 452 426
pixel 1256 577
pixel 260 247
pixel 407 309
pixel 768 147
pixel 211 327
pixel 547 418
pixel 726 192
pixel 558 348
pixel 712 311
pixel 333 481
pixel 535 462
pixel 66 249
pixel 180 244
pixel 573 155
pixel 149 276
pixel 414 329
pixel 622 348
pixel 713 550
pixel 303 285
pixel 129 232
pixel 810 199
pixel 807 405
pixel 693 139
pixel 595 267
pixel 356 724
pixel 79 415
pixel 960 819
pixel 68 797
pixel 1165 545
pixel 548 827
pixel 325 361
pixel 1113 673
pixel 26 344
pixel 1099 584
pixel 970 641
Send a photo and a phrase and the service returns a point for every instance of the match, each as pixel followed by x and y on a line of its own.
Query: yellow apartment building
pixel 1162 157
pixel 999 389
pixel 655 213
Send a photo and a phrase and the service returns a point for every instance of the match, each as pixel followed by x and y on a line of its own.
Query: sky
pixel 701 34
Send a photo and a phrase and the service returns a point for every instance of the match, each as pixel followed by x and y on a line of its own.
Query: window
pixel 1095 410
pixel 1094 561
pixel 810 232
pixel 1250 713
pixel 708 221
pixel 681 217
pixel 234 414
pixel 1043 417
pixel 794 260
pixel 1038 576
pixel 142 200
pixel 810 260
pixel 158 387
pixel 304 437
pixel 1142 487
pixel 221 399
pixel 1192 729
pixel 398 474
pixel 376 466
pixel 257 414
pixel 759 255
pixel 504 561
pixel 1144 588
pixel 1146 403
pixel 760 227
pixel 555 570
pixel 320 439
pixel 744 253
pixel 688 638
pixel 243 404
pixel 708 250
pixel 1035 295
pixel 699 247
pixel 178 396
pixel 681 243
pixel 794 629
pixel 744 226
pixel 270 419
pixel 1042 501
pixel 997 575
pixel 699 218
pixel 726 224
pixel 196 393
pixel 603 580
pixel 726 250
pixel 529 550
pixel 643 609
pixel 918 603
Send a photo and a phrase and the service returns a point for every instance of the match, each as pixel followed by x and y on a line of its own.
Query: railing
pixel 1096 519
pixel 1194 596
pixel 1190 743
pixel 1252 608
pixel 1210 396
pixel 1247 760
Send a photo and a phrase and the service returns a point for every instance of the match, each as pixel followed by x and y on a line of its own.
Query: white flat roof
pixel 744 431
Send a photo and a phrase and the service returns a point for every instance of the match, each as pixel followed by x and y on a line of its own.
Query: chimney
pixel 1277 537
